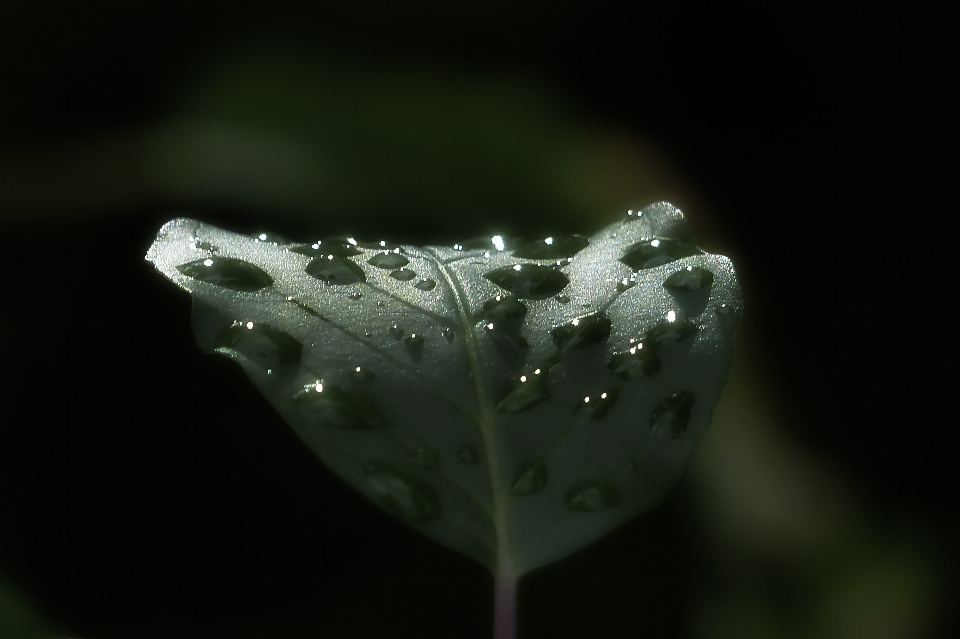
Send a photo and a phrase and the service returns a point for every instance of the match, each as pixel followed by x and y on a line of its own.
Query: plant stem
pixel 504 605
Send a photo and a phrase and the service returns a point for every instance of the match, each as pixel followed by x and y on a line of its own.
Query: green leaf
pixel 514 408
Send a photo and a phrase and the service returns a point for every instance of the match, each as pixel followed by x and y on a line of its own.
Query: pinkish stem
pixel 504 605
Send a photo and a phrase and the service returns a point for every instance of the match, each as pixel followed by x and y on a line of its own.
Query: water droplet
pixel 397 332
pixel 425 459
pixel 269 347
pixel 529 281
pixel 414 346
pixel 691 279
pixel 638 362
pixel 672 414
pixel 382 245
pixel 362 374
pixel 553 247
pixel 448 334
pixel 626 284
pixel 340 408
pixel 670 330
pixel 335 270
pixel 468 455
pixel 402 493
pixel 657 251
pixel 426 284
pixel 403 274
pixel 530 478
pixel 596 407
pixel 504 316
pixel 591 496
pixel 355 295
pixel 271 238
pixel 331 246
pixel 563 299
pixel 726 309
pixel 388 261
pixel 582 332
pixel 526 393
pixel 227 272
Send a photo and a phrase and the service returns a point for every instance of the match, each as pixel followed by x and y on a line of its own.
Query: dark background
pixel 146 491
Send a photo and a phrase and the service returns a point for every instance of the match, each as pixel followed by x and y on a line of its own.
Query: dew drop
pixel 597 406
pixel 526 393
pixel 425 459
pixel 691 279
pixel 448 334
pixel 335 270
pixel 673 329
pixel 340 408
pixel 553 247
pixel 269 347
pixel 591 496
pixel 468 455
pixel 529 281
pixel 726 309
pixel 636 363
pixel 582 332
pixel 563 299
pixel 362 374
pixel 657 251
pixel 388 260
pixel 397 332
pixel 504 316
pixel 426 284
pixel 414 346
pixel 672 414
pixel 530 478
pixel 403 274
pixel 402 493
pixel 271 238
pixel 626 284
pixel 355 295
pixel 227 272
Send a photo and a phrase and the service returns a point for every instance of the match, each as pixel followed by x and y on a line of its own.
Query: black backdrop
pixel 820 133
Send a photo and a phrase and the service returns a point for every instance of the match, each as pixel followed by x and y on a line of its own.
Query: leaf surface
pixel 514 405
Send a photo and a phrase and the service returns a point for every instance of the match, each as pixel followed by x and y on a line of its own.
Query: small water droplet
pixel 626 284
pixel 673 329
pixel 269 347
pixel 337 407
pixel 361 374
pixel 355 295
pixel 597 406
pixel 582 332
pixel 526 393
pixel 504 316
pixel 448 334
pixel 691 279
pixel 388 261
pixel 530 281
pixel 227 272
pixel 414 346
pixel 397 332
pixel 553 247
pixel 426 284
pixel 403 274
pixel 402 493
pixel 335 270
pixel 563 299
pixel 271 238
pixel 530 478
pixel 657 251
pixel 468 455
pixel 672 414
pixel 726 309
pixel 426 459
pixel 591 496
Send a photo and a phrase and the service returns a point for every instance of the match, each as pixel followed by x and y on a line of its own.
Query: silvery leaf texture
pixel 513 401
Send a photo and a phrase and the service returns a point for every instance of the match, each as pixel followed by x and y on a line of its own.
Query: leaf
pixel 514 405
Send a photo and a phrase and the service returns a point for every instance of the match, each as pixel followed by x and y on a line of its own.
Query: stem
pixel 504 605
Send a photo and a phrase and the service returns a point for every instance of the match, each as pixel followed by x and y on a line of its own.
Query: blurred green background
pixel 146 492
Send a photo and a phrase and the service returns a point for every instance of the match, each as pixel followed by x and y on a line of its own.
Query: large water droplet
pixel 504 316
pixel 388 260
pixel 657 251
pixel 529 391
pixel 638 362
pixel 269 347
pixel 340 408
pixel 672 414
pixel 426 284
pixel 591 496
pixel 227 272
pixel 402 493
pixel 529 281
pixel 403 274
pixel 553 247
pixel 335 270
pixel 691 279
pixel 581 332
pixel 595 407
pixel 530 478
pixel 425 459
pixel 468 455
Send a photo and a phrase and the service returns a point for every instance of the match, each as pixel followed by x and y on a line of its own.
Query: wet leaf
pixel 501 407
